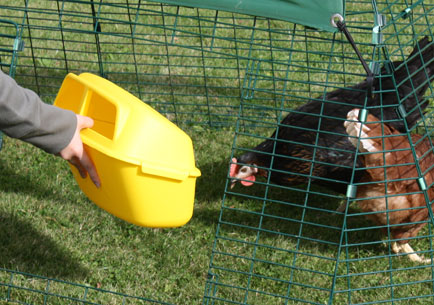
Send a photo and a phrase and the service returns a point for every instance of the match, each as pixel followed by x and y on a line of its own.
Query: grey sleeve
pixel 23 115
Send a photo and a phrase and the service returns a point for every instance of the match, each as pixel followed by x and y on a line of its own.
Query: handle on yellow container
pixel 107 90
pixel 116 96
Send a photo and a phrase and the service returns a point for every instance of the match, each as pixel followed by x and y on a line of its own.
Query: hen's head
pixel 246 171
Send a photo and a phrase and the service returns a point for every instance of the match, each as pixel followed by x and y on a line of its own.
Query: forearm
pixel 24 116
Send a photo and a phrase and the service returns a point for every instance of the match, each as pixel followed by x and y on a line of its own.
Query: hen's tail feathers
pixel 413 78
pixel 425 49
pixel 419 63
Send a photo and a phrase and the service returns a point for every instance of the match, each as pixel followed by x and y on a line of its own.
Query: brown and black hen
pixel 310 142
pixel 389 191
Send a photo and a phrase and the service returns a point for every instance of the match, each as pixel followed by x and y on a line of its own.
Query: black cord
pixel 96 24
pixel 369 75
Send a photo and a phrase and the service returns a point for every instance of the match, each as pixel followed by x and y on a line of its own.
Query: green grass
pixel 49 228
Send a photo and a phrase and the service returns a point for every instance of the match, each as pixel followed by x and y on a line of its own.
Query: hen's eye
pixel 243 170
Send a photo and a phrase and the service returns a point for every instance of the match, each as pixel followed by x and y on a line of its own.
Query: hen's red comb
pixel 234 168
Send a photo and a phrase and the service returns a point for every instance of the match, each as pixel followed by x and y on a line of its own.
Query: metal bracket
pixel 377 35
pixel 351 191
pixel 406 13
pixel 422 184
pixel 363 115
pixel 401 111
pixel 18 44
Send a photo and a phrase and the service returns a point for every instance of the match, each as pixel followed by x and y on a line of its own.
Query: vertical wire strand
pixel 168 60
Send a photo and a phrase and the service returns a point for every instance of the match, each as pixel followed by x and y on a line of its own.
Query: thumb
pixel 84 122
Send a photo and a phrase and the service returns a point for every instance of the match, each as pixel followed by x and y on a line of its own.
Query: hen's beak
pixel 245 172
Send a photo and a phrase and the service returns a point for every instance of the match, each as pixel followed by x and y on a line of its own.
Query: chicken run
pixel 330 105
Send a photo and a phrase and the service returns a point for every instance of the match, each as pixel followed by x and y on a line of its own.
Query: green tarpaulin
pixel 312 13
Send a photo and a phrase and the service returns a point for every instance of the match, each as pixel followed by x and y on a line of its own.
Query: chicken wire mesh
pixel 185 62
pixel 25 288
pixel 10 45
pixel 213 68
pixel 293 218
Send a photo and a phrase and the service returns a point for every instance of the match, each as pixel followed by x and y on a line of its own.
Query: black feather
pixel 311 142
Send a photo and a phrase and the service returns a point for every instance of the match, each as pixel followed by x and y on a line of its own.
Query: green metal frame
pixel 10 36
pixel 277 225
pixel 44 290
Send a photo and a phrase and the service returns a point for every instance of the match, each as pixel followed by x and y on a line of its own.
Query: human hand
pixel 76 154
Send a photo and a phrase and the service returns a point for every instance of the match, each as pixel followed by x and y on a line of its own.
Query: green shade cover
pixel 312 13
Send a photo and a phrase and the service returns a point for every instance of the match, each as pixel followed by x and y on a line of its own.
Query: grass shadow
pixel 25 249
pixel 12 181
pixel 211 184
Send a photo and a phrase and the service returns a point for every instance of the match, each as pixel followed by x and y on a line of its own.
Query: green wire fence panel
pixel 332 167
pixel 185 62
pixel 10 44
pixel 24 288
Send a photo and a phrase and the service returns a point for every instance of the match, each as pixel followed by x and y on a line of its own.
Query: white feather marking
pixel 358 130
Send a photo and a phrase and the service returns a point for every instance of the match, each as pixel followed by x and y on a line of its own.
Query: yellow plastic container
pixel 145 162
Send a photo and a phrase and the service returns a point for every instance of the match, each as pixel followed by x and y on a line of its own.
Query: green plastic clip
pixel 401 111
pixel 363 115
pixel 406 13
pixel 18 44
pixel 375 67
pixel 380 20
pixel 377 35
pixel 422 184
pixel 351 191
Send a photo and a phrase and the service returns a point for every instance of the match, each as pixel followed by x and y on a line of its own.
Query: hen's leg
pixel 406 248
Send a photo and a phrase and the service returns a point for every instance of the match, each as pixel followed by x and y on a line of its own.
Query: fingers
pixel 87 164
pixel 74 161
pixel 84 122
pixel 76 154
